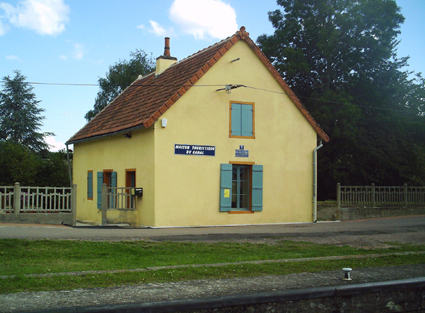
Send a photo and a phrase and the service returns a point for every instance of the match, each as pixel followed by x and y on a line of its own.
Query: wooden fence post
pixel 373 196
pixel 74 204
pixel 17 199
pixel 405 195
pixel 104 203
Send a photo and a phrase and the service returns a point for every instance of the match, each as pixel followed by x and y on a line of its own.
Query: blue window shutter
pixel 225 187
pixel 257 188
pixel 236 119
pixel 246 117
pixel 89 185
pixel 114 179
pixel 99 189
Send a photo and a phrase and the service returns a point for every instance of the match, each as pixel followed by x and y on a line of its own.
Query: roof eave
pixel 124 131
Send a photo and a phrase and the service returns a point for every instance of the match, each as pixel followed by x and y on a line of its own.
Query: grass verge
pixel 21 283
pixel 19 257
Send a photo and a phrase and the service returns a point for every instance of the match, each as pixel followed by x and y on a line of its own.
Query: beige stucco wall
pixel 182 190
pixel 118 154
pixel 187 187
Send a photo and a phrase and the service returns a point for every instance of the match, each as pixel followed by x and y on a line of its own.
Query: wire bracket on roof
pixel 228 88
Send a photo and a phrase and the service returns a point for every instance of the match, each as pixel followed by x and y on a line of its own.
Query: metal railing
pixel 373 196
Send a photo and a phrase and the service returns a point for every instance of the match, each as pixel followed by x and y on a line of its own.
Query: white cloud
pixel 54 145
pixel 202 18
pixel 12 57
pixel 78 51
pixel 46 17
pixel 157 29
pixel 3 28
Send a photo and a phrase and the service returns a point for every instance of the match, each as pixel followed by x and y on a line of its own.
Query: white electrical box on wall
pixel 164 122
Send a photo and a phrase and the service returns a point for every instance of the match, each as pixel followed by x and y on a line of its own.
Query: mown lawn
pixel 20 257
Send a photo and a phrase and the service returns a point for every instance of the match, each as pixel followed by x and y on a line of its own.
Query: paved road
pixel 360 232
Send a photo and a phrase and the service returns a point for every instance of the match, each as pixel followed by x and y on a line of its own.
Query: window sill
pixel 240 212
pixel 242 137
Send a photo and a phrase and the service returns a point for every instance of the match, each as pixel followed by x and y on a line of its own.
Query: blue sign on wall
pixel 194 150
pixel 240 153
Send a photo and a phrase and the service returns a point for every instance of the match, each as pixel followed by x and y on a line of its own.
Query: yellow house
pixel 217 138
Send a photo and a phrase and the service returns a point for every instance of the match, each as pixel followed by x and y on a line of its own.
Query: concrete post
pixel 17 199
pixel 338 201
pixel 405 195
pixel 373 196
pixel 74 204
pixel 104 203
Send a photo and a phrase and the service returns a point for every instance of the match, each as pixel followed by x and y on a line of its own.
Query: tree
pixel 119 77
pixel 19 164
pixel 20 119
pixel 339 57
pixel 323 44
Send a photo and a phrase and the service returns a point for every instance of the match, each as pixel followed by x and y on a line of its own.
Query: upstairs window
pixel 242 120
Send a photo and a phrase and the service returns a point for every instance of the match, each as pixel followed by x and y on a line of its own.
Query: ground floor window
pixel 241 188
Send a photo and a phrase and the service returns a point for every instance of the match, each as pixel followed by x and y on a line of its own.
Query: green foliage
pixel 17 164
pixel 20 164
pixel 20 119
pixel 119 77
pixel 339 57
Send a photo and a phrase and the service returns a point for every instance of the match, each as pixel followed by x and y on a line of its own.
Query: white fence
pixel 20 199
pixel 373 196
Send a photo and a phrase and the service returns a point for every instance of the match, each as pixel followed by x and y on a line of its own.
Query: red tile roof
pixel 146 99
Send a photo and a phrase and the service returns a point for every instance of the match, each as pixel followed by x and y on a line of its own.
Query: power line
pixel 218 85
pixel 97 85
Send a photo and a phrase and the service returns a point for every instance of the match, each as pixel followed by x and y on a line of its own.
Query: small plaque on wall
pixel 241 153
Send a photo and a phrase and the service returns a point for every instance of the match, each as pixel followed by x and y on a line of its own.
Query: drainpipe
pixel 69 166
pixel 315 182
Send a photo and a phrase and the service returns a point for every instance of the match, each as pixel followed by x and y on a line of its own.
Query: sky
pixel 69 44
